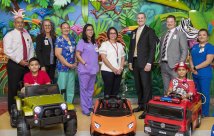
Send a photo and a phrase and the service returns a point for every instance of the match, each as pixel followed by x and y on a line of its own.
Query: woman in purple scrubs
pixel 87 55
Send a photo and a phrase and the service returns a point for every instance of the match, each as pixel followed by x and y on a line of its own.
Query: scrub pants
pixel 66 80
pixel 86 82
pixel 203 86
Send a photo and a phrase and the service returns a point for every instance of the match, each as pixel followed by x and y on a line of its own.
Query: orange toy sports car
pixel 113 116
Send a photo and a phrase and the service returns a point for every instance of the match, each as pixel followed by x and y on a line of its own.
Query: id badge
pixel 96 49
pixel 71 49
pixel 46 42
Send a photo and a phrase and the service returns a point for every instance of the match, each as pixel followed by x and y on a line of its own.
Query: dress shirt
pixel 170 35
pixel 13 47
pixel 139 31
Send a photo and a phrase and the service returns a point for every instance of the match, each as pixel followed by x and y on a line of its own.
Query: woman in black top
pixel 45 48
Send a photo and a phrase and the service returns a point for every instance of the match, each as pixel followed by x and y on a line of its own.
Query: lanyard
pixel 116 49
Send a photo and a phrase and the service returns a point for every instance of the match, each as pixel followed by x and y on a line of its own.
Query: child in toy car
pixel 181 85
pixel 35 76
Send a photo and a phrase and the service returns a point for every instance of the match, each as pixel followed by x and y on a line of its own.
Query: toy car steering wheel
pixel 175 95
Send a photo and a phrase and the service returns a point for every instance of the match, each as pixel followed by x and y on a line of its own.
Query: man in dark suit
pixel 141 56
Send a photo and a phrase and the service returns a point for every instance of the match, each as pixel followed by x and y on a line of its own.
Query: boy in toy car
pixel 181 85
pixel 35 76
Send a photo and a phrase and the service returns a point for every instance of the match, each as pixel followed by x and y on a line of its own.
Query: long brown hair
pixel 52 32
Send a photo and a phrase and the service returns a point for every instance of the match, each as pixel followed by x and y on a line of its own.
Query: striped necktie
pixel 164 45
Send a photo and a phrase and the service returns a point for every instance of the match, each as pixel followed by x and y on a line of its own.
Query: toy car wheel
pixel 189 131
pixel 23 129
pixel 199 120
pixel 70 127
pixel 13 116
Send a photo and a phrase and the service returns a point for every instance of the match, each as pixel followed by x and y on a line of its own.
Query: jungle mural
pixel 191 16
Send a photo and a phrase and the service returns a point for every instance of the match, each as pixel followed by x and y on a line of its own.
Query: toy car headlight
pixel 63 106
pixel 97 125
pixel 131 125
pixel 148 129
pixel 37 109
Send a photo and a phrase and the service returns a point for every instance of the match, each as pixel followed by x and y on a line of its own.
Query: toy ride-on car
pixel 173 116
pixel 113 116
pixel 40 106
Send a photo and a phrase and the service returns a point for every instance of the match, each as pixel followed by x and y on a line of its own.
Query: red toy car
pixel 172 116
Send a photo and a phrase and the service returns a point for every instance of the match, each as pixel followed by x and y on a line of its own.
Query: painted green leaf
pixel 178 15
pixel 96 5
pixel 67 11
pixel 43 3
pixel 197 19
pixel 6 3
pixel 172 3
pixel 28 1
pixel 85 10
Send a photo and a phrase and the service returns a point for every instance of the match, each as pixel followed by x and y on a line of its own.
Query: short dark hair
pixel 108 32
pixel 204 30
pixel 84 36
pixel 63 24
pixel 142 14
pixel 171 16
pixel 33 59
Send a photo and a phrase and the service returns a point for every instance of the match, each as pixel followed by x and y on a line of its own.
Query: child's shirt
pixel 182 86
pixel 41 79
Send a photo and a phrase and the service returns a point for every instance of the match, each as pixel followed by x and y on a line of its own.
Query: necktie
pixel 136 42
pixel 164 45
pixel 24 47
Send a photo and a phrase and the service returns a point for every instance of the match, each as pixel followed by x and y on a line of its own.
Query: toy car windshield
pixel 113 107
pixel 167 112
pixel 41 90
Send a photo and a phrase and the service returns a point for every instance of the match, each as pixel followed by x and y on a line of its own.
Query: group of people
pixel 65 55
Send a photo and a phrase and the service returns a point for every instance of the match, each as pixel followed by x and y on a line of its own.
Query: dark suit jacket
pixel 43 51
pixel 146 46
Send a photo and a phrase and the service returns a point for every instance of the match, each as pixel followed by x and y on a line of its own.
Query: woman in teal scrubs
pixel 202 55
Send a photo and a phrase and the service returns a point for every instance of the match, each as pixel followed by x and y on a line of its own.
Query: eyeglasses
pixel 47 25
pixel 89 30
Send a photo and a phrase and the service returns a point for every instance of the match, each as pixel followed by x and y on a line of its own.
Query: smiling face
pixel 141 19
pixel 34 66
pixel 202 37
pixel 112 34
pixel 65 28
pixel 89 31
pixel 19 24
pixel 170 23
pixel 47 26
pixel 182 72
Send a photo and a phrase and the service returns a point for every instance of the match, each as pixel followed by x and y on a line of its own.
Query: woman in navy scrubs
pixel 202 55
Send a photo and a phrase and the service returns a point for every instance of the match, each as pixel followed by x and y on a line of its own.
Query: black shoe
pixel 142 116
pixel 139 108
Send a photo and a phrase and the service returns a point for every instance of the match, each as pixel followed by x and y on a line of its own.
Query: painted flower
pixel 42 12
pixel 77 29
pixel 151 10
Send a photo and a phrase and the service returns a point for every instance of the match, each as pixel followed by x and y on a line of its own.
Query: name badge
pixel 133 37
pixel 46 42
pixel 175 36
pixel 201 50
pixel 71 49
pixel 96 49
